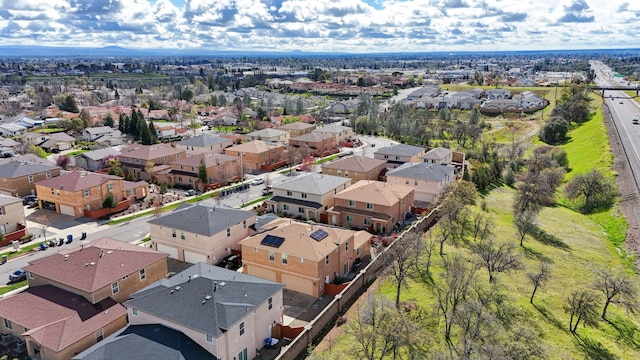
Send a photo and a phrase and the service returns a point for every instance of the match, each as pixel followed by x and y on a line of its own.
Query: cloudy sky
pixel 324 25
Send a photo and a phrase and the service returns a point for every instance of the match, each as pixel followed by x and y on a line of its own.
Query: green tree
pixel 109 201
pixel 69 104
pixel 108 121
pixel 554 131
pixel 202 172
pixel 593 191
pixel 86 119
pixel 153 133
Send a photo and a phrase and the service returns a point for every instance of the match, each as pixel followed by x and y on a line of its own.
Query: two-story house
pixel 438 155
pixel 306 197
pixel 427 179
pixel 205 143
pixel 318 144
pixel 139 160
pixel 339 132
pixel 95 160
pixel 72 300
pixel 18 178
pixel 373 205
pixel 201 232
pixel 12 219
pixel 256 154
pixel 185 171
pixel 297 128
pixel 272 135
pixel 302 256
pixel 396 155
pixel 79 191
pixel 94 133
pixel 355 167
pixel 227 313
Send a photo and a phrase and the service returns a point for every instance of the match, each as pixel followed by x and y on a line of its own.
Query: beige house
pixel 297 128
pixel 135 159
pixel 427 179
pixel 355 167
pixel 19 178
pixel 11 214
pixel 201 232
pixel 273 135
pixel 307 197
pixel 302 256
pixel 256 154
pixel 372 205
pixel 396 155
pixel 439 155
pixel 204 144
pixel 339 132
pixel 220 168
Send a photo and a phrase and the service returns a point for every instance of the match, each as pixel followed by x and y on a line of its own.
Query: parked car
pixel 231 262
pixel 29 199
pixel 257 181
pixel 18 275
pixel 267 191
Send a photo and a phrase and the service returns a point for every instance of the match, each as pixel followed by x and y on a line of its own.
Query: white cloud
pixel 327 25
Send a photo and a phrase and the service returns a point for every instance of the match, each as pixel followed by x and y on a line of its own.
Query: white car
pixel 257 181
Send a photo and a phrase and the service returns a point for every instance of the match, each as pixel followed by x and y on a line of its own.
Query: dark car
pixel 231 262
pixel 29 200
pixel 18 275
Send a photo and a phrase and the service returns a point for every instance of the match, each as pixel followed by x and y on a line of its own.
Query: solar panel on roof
pixel 319 235
pixel 273 241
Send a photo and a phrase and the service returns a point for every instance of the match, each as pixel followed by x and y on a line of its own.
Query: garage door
pixel 173 252
pixel 297 284
pixel 262 273
pixel 67 210
pixel 194 258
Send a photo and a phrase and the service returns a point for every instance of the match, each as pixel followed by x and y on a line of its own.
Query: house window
pixel 48 174
pixel 366 221
pixel 397 157
pixel 242 328
pixel 7 324
pixel 165 159
pixel 190 180
pixel 326 260
pixel 370 206
pixel 173 232
pixel 1 211
pixel 209 338
pixel 244 224
pixel 285 207
pixel 99 335
pixel 182 235
pixel 270 302
pixel 134 311
pixel 110 187
pixel 30 275
pixel 386 156
pixel 415 182
pixel 181 167
pixel 289 193
pixel 115 288
pixel 339 172
pixel 346 246
pixel 272 255
pixel 53 192
pixel 406 182
pixel 30 178
pixel 285 259
pixel 349 218
pixel 358 251
pixel 228 232
pixel 243 355
pixel 304 196
pixel 301 259
pixel 346 173
pixel 143 274
pixel 301 210
pixel 352 203
pixel 85 192
pixel 193 168
pixel 179 178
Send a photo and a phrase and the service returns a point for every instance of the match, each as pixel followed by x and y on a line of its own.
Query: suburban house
pixel 55 324
pixel 58 142
pixel 18 178
pixel 205 143
pixel 439 155
pixel 153 341
pixel 12 219
pixel 427 179
pixel 225 312
pixel 303 256
pixel 201 232
pixel 497 94
pixel 94 133
pixel 104 269
pixel 257 153
pixel 297 128
pixel 138 160
pixel 273 135
pixel 497 106
pixel 185 171
pixel 12 129
pixel 34 138
pixel 319 144
pixel 81 193
pixel 340 133
pixel 306 197
pixel 396 155
pixel 373 205
pixel 95 160
pixel 355 167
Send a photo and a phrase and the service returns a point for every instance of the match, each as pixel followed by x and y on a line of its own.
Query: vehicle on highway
pixel 18 275
pixel 231 262
pixel 635 120
pixel 257 181
pixel 621 102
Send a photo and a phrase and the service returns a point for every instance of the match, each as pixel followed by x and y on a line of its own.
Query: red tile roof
pixel 95 266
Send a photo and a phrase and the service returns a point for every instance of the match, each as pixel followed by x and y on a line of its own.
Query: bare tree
pixel 44 222
pixel 592 189
pixel 517 146
pixel 481 226
pixel 496 259
pixel 617 289
pixel 539 278
pixel 581 304
pixel 525 223
pixel 476 325
pixel 402 259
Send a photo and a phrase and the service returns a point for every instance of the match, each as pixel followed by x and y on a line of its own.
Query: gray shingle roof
pixel 203 219
pixel 100 154
pixel 400 150
pixel 180 298
pixel 6 200
pixel 16 169
pixel 422 171
pixel 205 140
pixel 314 183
